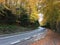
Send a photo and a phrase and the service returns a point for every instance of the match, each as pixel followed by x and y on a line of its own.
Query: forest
pixel 24 13
pixel 17 14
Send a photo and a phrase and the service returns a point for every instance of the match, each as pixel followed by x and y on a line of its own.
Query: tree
pixel 51 12
pixel 23 17
pixel 26 9
pixel 7 17
pixel 30 14
pixel 32 9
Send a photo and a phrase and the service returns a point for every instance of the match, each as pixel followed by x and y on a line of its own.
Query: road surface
pixel 25 38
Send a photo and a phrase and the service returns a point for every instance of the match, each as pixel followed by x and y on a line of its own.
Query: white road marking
pixel 15 42
pixel 8 37
pixel 15 35
pixel 27 38
pixel 11 36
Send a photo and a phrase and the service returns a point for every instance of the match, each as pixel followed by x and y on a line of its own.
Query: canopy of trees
pixel 51 11
pixel 24 11
pixel 49 8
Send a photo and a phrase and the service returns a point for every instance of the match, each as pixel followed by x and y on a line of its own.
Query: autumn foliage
pixel 12 11
pixel 51 12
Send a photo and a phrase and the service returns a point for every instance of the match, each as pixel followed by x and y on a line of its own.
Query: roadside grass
pixel 8 29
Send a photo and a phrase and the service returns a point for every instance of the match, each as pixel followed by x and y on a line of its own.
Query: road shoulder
pixel 51 38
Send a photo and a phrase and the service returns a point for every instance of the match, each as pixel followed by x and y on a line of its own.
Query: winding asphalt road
pixel 25 38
